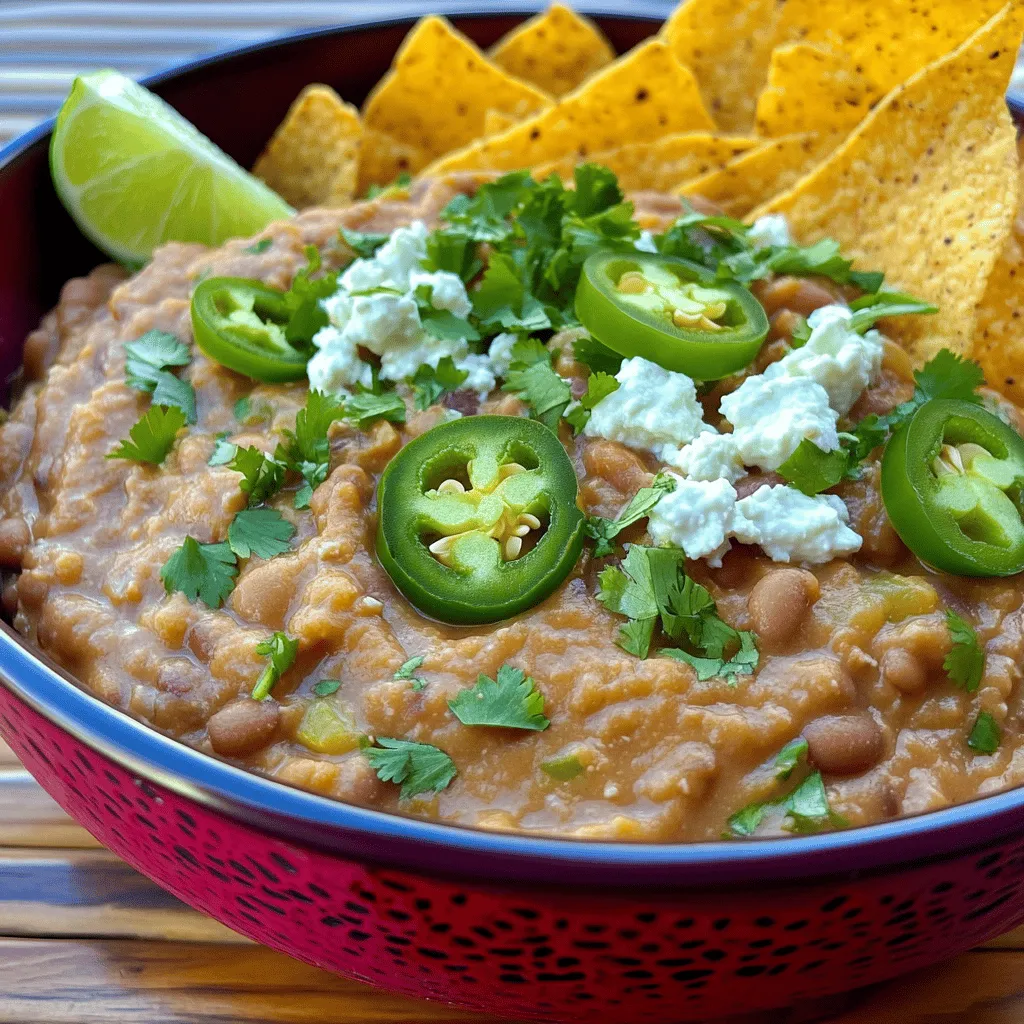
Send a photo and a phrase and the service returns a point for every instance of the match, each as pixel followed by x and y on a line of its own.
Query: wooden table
pixel 84 939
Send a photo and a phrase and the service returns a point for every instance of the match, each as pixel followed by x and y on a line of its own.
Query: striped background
pixel 45 43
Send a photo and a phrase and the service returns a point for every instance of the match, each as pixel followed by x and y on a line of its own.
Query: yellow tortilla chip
pixel 813 88
pixel 383 159
pixel 556 51
pixel 727 44
pixel 761 173
pixel 497 121
pixel 926 186
pixel 438 91
pixel 999 334
pixel 313 157
pixel 661 164
pixel 643 96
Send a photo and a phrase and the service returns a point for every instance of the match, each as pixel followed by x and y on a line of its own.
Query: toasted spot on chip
pixel 497 121
pixel 556 51
pixel 760 173
pixel 660 165
pixel 727 44
pixel 813 88
pixel 999 334
pixel 645 95
pixel 925 187
pixel 313 157
pixel 437 94
pixel 383 159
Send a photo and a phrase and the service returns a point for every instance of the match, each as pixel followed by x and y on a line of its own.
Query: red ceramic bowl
pixel 544 929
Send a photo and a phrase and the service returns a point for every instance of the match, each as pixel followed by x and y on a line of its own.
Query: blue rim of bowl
pixel 450 850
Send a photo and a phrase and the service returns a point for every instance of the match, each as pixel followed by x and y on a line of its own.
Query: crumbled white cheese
pixel 697 517
pixel 390 266
pixel 842 361
pixel 500 353
pixel 794 527
pixel 446 291
pixel 480 372
pixel 769 230
pixel 770 418
pixel 709 456
pixel 653 408
pixel 645 243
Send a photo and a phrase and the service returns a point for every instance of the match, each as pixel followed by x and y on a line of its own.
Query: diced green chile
pixel 952 478
pixel 478 518
pixel 240 323
pixel 670 311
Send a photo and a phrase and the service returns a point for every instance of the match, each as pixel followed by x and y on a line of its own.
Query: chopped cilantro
pixel 811 470
pixel 805 809
pixel 223 451
pixel 408 671
pixel 262 476
pixel 250 411
pixel 418 767
pixel 800 334
pixel 533 379
pixel 563 769
pixel 281 650
pixel 152 437
pixel 366 407
pixel 364 244
pixel 599 385
pixel 742 663
pixel 509 701
pixel 871 308
pixel 598 357
pixel 431 384
pixel 305 314
pixel 986 735
pixel 306 450
pixel 395 188
pixel 604 531
pixel 965 662
pixel 790 757
pixel 263 532
pixel 203 571
pixel 260 247
pixel 502 300
pixel 326 687
pixel 146 369
pixel 453 251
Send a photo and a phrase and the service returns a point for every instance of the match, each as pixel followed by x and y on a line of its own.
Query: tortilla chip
pixel 497 121
pixel 383 159
pixel 999 334
pixel 813 88
pixel 727 44
pixel 437 94
pixel 926 186
pixel 557 51
pixel 661 164
pixel 643 96
pixel 313 157
pixel 761 173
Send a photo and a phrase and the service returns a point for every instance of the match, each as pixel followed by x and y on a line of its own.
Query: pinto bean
pixel 243 726
pixel 752 481
pixel 844 744
pixel 799 294
pixel 14 538
pixel 903 670
pixel 778 603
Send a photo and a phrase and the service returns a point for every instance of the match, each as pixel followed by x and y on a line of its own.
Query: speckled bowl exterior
pixel 520 926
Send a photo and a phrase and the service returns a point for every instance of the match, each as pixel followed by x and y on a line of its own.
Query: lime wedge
pixel 134 173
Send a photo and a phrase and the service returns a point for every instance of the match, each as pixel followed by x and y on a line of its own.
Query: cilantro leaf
pixel 146 369
pixel 260 247
pixel 302 300
pixel 281 650
pixel 598 357
pixel 408 671
pixel 263 532
pixel 393 189
pixel 596 190
pixel 306 450
pixel 948 375
pixel 326 687
pixel 173 391
pixel 502 299
pixel 742 663
pixel 628 590
pixel 563 769
pixel 805 810
pixel 203 571
pixel 152 438
pixel 251 411
pixel 542 389
pixel 262 476
pixel 485 215
pixel 811 470
pixel 635 636
pixel 986 735
pixel 870 308
pixel 790 757
pixel 362 243
pixel 965 662
pixel 365 408
pixel 431 384
pixel 599 385
pixel 453 251
pixel 223 451
pixel 509 701
pixel 604 531
pixel 418 767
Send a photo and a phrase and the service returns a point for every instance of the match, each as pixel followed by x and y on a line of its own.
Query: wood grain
pixel 28 817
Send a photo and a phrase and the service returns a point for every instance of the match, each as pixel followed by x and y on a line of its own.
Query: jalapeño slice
pixel 670 311
pixel 477 519
pixel 952 477
pixel 239 323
